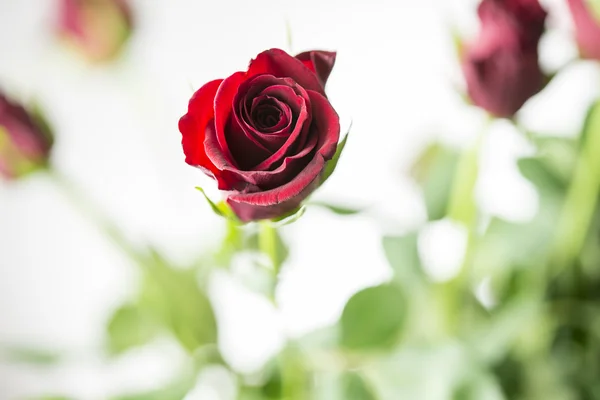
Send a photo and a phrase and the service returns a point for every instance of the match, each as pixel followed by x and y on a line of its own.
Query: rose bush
pixel 25 140
pixel 587 28
pixel 501 66
pixel 264 134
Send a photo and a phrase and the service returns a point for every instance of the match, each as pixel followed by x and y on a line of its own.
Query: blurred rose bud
pixel 97 28
pixel 501 66
pixel 587 27
pixel 25 140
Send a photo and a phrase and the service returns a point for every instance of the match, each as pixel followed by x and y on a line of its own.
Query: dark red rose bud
pixel 97 28
pixel 265 134
pixel 25 140
pixel 501 67
pixel 587 28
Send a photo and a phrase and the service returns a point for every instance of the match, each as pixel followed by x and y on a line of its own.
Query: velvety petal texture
pixel 25 140
pixel 501 66
pixel 320 62
pixel 266 134
pixel 587 28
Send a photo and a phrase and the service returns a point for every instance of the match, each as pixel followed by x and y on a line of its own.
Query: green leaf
pixel 176 390
pixel 176 300
pixel 216 208
pixel 434 170
pixel 332 164
pixel 337 209
pixel 537 172
pixel 29 355
pixel 373 318
pixel 402 254
pixel 355 388
pixel 130 326
pixel 51 398
pixel 290 217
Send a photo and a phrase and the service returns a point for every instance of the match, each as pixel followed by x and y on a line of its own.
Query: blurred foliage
pixel 533 334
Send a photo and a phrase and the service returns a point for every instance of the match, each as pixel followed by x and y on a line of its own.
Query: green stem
pixel 581 200
pixel 87 207
pixel 267 243
pixel 462 209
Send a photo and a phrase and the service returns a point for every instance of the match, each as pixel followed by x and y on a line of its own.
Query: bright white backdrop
pixel 117 138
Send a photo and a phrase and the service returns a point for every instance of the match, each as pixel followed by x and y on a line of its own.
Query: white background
pixel 117 138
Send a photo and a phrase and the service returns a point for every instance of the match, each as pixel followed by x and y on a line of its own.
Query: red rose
pixel 25 141
pixel 587 29
pixel 501 67
pixel 97 28
pixel 265 134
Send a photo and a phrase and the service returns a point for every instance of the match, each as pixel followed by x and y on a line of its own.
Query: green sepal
pixel 332 164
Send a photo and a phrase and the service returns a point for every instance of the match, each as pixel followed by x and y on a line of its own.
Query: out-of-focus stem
pixel 462 209
pixel 89 209
pixel 581 200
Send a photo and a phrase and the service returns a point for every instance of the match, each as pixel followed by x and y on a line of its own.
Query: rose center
pixel 266 115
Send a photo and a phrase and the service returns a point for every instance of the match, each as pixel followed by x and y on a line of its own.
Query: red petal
pixel 320 62
pixel 223 109
pixel 193 125
pixel 280 64
pixel 326 124
pixel 276 202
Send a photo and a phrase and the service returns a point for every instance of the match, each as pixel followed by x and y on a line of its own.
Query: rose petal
pixel 325 124
pixel 223 110
pixel 214 152
pixel 276 202
pixel 193 125
pixel 320 62
pixel 288 170
pixel 280 64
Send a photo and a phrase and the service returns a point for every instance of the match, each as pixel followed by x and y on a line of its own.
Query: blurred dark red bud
pixel 98 29
pixel 587 28
pixel 25 140
pixel 501 66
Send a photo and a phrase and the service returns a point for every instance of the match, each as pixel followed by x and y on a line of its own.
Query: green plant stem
pixel 89 209
pixel 462 209
pixel 267 243
pixel 581 200
pixel 294 375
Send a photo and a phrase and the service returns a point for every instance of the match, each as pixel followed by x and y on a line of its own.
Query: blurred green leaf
pixel 177 390
pixel 373 318
pixel 331 164
pixel 403 255
pixel 355 387
pixel 51 398
pixel 540 174
pixel 337 209
pixel 29 355
pixel 130 326
pixel 434 170
pixel 479 387
pixel 279 252
pixel 559 156
pixel 176 299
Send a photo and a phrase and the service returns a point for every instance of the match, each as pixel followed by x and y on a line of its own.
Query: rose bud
pixel 587 28
pixel 501 66
pixel 97 28
pixel 265 134
pixel 25 140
